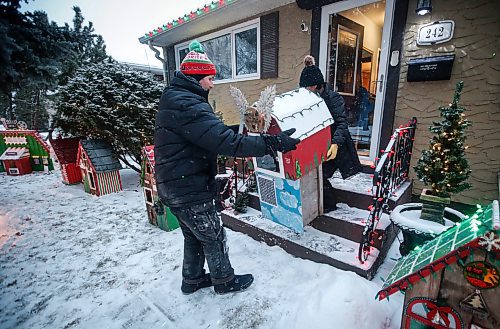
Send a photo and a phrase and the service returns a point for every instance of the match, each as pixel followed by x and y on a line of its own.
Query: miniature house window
pixel 36 161
pixel 234 51
pixel 148 169
pixel 148 195
pixel 268 162
pixel 267 190
pixel 13 171
pixel 91 180
pixel 45 161
pixel 347 61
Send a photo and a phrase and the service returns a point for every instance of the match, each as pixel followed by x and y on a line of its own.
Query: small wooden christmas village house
pixel 66 150
pixel 290 184
pixel 453 280
pixel 99 167
pixel 23 151
pixel 158 214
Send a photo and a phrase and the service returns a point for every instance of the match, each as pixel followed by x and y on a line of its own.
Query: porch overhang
pixel 230 13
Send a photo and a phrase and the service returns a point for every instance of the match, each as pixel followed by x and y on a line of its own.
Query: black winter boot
pixel 238 283
pixel 189 288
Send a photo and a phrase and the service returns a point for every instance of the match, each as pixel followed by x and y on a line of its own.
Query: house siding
pixel 475 42
pixel 293 46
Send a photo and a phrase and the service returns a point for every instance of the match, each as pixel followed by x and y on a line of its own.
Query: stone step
pixel 314 244
pixel 349 223
pixel 356 191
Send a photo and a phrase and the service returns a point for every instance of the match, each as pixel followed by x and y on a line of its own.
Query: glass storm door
pixel 354 51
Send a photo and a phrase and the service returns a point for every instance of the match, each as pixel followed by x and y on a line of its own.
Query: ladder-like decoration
pixel 391 171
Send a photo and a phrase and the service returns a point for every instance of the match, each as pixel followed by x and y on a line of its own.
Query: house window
pixel 36 161
pixel 148 195
pixel 91 180
pixel 235 51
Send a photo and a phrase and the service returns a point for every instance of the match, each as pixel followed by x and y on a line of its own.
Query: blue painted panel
pixel 288 208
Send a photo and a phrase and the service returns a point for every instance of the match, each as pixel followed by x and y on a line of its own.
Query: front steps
pixel 332 238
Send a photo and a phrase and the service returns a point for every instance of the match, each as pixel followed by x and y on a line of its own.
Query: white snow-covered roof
pixel 302 110
pixel 14 153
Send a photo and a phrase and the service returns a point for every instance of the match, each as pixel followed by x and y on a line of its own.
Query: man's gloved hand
pixel 282 142
pixel 332 152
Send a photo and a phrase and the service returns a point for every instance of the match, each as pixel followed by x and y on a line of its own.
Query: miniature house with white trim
pixel 290 184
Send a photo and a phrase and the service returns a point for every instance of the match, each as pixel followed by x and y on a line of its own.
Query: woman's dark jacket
pixel 347 160
pixel 188 137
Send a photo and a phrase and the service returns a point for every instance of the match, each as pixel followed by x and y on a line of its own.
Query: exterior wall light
pixel 423 7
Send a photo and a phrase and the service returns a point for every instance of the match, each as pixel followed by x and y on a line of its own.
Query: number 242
pixel 438 32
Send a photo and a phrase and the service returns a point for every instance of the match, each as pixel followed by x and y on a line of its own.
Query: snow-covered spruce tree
pixel 444 167
pixel 111 101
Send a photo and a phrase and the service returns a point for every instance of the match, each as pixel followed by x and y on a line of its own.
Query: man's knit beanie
pixel 196 63
pixel 311 74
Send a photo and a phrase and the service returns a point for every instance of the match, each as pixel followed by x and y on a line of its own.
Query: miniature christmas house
pixel 66 150
pixel 453 280
pixel 23 151
pixel 99 167
pixel 290 184
pixel 158 214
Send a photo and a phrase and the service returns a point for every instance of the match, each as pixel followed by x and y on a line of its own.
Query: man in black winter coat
pixel 188 137
pixel 342 154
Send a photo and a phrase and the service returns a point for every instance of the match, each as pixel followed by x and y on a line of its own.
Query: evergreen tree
pixel 38 55
pixel 110 101
pixel 443 167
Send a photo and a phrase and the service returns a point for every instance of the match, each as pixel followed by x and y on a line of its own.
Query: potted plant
pixel 444 169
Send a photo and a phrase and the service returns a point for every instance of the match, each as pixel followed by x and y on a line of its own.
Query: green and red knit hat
pixel 197 62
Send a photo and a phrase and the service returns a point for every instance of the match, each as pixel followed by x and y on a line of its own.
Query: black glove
pixel 282 142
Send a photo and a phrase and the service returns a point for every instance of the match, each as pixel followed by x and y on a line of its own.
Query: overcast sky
pixel 120 22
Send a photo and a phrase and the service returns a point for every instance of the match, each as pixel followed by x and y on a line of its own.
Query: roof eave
pixel 234 12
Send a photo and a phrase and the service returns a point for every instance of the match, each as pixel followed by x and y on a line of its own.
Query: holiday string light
pixel 188 17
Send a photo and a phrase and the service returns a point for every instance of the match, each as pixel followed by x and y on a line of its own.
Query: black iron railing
pixel 391 171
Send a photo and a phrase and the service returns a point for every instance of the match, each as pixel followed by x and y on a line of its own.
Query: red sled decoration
pixel 424 311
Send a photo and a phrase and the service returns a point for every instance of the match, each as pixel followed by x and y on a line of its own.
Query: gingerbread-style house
pixel 23 151
pixel 99 167
pixel 66 150
pixel 290 184
pixel 453 280
pixel 158 214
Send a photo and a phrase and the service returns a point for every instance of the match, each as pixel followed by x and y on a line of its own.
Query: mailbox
pixel 430 68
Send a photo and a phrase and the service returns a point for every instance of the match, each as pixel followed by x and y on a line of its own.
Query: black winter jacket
pixel 347 160
pixel 335 104
pixel 188 137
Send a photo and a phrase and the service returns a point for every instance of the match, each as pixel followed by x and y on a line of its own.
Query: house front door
pixel 354 52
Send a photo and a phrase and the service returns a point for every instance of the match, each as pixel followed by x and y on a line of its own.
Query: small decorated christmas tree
pixel 443 167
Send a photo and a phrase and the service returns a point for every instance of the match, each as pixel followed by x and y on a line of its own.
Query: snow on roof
pixel 443 250
pixel 303 110
pixel 14 153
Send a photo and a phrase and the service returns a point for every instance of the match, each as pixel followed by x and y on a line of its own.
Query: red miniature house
pixel 452 281
pixel 16 161
pixel 158 214
pixel 309 115
pixel 290 183
pixel 66 150
pixel 99 167
pixel 37 150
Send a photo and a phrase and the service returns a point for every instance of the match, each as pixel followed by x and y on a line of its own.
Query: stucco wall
pixel 475 44
pixel 293 46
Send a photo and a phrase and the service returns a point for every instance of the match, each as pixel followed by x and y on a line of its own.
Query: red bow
pixel 443 312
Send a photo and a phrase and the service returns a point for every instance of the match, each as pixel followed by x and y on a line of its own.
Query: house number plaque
pixel 434 33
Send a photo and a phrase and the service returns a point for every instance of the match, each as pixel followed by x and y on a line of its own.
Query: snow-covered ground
pixel 72 260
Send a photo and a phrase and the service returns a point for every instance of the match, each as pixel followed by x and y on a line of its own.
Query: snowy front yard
pixel 72 260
